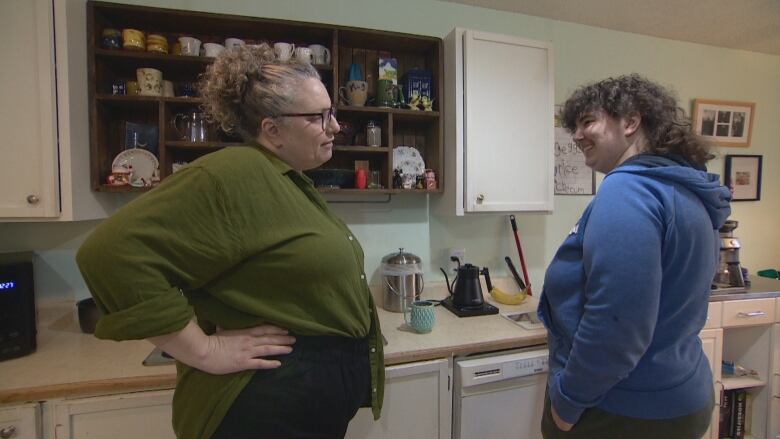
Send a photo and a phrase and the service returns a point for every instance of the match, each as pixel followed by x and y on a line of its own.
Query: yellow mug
pixel 156 43
pixel 133 39
pixel 132 88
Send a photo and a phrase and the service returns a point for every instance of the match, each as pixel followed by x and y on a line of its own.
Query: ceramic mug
pixel 133 39
pixel 149 81
pixel 422 316
pixel 156 43
pixel 284 51
pixel 233 42
pixel 132 87
pixel 167 90
pixel 189 46
pixel 213 49
pixel 303 54
pixel 355 93
pixel 320 54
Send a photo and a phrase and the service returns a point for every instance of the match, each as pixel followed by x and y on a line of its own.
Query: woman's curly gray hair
pixel 667 128
pixel 246 84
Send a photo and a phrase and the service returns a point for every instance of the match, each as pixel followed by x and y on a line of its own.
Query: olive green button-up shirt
pixel 237 239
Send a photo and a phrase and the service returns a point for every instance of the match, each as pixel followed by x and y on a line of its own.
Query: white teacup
pixel 213 49
pixel 303 54
pixel 189 46
pixel 320 54
pixel 233 42
pixel 149 81
pixel 284 51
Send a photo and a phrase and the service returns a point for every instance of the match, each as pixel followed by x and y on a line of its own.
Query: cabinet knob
pixel 480 198
pixel 31 199
pixel 7 432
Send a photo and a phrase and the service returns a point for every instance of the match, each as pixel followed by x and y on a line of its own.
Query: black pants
pixel 598 424
pixel 314 393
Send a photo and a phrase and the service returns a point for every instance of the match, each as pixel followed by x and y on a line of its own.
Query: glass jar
pixel 373 134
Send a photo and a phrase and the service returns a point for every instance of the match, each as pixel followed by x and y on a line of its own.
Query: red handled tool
pixel 520 253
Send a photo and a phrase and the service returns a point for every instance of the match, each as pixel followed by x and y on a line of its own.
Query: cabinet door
pixel 20 422
pixel 712 343
pixel 28 150
pixel 129 416
pixel 508 122
pixel 418 404
pixel 774 404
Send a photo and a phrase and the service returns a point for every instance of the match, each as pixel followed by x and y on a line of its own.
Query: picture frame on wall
pixel 724 123
pixel 743 177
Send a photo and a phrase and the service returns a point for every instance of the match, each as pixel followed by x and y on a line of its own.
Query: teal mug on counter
pixel 422 316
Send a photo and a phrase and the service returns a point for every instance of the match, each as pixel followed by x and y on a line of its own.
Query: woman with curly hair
pixel 213 263
pixel 626 294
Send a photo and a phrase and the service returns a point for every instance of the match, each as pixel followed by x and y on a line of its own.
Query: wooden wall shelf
pixel 420 129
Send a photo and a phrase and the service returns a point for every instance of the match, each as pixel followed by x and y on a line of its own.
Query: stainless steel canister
pixel 402 280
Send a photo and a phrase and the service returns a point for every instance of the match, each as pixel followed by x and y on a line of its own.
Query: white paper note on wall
pixel 572 176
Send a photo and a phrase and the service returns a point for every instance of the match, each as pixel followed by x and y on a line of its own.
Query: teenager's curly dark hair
pixel 667 128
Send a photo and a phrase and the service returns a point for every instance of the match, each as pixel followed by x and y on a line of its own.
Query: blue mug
pixel 422 316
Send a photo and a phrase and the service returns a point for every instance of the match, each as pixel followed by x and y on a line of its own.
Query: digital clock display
pixel 5 286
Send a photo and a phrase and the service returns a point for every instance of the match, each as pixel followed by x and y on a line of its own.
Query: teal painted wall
pixel 582 54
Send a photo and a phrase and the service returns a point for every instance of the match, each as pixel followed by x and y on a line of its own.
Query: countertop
pixel 69 363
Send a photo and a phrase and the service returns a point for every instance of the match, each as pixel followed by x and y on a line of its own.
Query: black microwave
pixel 17 305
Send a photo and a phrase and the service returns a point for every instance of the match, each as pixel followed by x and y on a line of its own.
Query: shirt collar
pixel 282 167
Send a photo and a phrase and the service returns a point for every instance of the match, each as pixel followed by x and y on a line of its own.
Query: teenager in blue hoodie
pixel 626 294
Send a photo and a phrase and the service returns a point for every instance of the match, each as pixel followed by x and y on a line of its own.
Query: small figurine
pixel 420 182
pixel 414 102
pixel 427 103
pixel 397 178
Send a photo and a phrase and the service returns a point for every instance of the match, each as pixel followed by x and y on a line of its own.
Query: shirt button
pixel 373 349
pixel 373 390
pixel 362 276
pixel 350 237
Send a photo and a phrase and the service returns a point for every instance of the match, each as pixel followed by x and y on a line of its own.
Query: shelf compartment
pixel 411 114
pixel 743 382
pixel 183 144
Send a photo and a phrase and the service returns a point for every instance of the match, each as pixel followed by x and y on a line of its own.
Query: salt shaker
pixel 373 134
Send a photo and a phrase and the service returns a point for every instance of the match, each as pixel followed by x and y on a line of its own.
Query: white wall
pixel 582 54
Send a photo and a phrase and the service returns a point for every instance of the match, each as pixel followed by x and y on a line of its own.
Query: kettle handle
pixel 489 284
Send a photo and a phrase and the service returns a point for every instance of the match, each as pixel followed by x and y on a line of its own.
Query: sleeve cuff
pixel 161 315
pixel 566 408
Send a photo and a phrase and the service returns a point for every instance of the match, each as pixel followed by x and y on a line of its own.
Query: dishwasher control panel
pixel 498 367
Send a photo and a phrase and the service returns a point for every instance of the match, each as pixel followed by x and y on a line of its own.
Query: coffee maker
pixel 729 272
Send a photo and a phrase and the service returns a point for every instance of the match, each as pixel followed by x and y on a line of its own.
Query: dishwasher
pixel 500 395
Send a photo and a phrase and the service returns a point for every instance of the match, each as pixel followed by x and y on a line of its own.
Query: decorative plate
pixel 141 163
pixel 408 160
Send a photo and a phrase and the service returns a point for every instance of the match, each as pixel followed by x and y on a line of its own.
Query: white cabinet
pixel 27 110
pixel 499 134
pixel 417 404
pixel 774 404
pixel 44 116
pixel 127 416
pixel 20 422
pixel 712 343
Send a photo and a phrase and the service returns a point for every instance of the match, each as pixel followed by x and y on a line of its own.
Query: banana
pixel 506 298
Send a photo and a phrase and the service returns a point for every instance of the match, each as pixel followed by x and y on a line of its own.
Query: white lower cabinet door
pixel 712 344
pixel 20 422
pixel 417 404
pixel 138 415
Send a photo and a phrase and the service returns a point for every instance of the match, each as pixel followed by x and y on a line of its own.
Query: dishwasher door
pixel 500 395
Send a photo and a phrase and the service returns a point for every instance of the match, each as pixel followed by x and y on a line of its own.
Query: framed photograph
pixel 724 123
pixel 743 177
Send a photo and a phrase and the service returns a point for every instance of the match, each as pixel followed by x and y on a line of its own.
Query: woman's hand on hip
pixel 243 349
pixel 560 423
pixel 226 351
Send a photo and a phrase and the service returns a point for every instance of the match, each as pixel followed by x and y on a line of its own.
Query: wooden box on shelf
pixel 109 67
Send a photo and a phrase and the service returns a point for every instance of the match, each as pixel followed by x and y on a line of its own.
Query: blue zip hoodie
pixel 626 294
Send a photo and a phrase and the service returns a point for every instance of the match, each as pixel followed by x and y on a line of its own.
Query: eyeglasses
pixel 324 114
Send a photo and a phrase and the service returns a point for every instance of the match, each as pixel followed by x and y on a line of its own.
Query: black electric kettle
pixel 467 291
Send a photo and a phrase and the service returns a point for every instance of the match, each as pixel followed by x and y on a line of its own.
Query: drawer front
pixel 777 310
pixel 714 315
pixel 748 312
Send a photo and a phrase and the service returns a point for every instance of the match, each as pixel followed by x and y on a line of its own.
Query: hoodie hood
pixel 715 197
